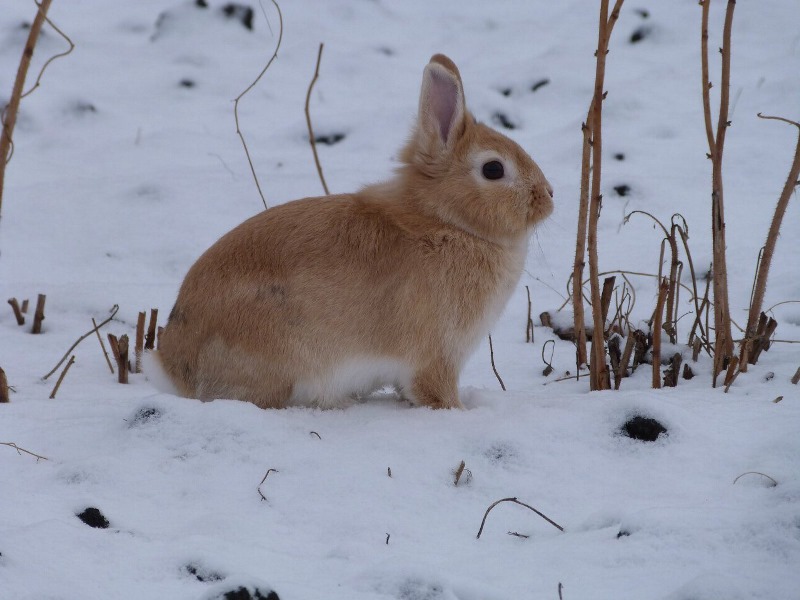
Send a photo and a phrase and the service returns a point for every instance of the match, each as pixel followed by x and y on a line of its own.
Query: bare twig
pixel 311 139
pixel 61 377
pixel 515 501
pixel 9 117
pixel 52 58
pixel 663 290
pixel 122 365
pixel 458 472
pixel 38 316
pixel 114 310
pixel 102 346
pixel 560 587
pixel 529 323
pixel 762 271
pixel 774 483
pixel 17 312
pixel 260 493
pixel 138 348
pixel 796 376
pixel 150 337
pixel 249 87
pixel 549 368
pixel 494 368
pixel 20 451
pixel 4 399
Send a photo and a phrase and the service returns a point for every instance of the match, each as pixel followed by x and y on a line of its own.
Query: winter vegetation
pixel 629 428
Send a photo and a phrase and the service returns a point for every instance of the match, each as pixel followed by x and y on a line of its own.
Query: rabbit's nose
pixel 549 189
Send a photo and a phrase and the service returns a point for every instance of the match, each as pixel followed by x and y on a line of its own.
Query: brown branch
pixel 138 348
pixel 61 377
pixel 150 338
pixel 663 290
pixel 102 346
pixel 38 316
pixel 122 364
pixel 494 368
pixel 458 473
pixel 580 247
pixel 9 117
pixel 706 4
pixel 515 501
pixel 260 493
pixel 796 376
pixel 52 58
pixel 114 310
pixel 4 399
pixel 17 312
pixel 762 271
pixel 529 324
pixel 20 451
pixel 311 139
pixel 249 87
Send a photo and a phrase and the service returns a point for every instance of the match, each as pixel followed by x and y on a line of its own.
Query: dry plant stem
pixel 102 346
pixel 114 310
pixel 20 451
pixel 249 87
pixel 529 324
pixel 25 306
pixel 459 472
pixel 580 248
pixel 772 237
pixel 139 346
pixel 38 316
pixel 260 493
pixel 774 483
pixel 623 363
pixel 515 501
pixel 38 81
pixel 605 297
pixel 17 312
pixel 4 399
pixel 494 368
pixel 311 139
pixel 150 338
pixel 560 587
pixel 61 377
pixel 663 290
pixel 723 344
pixel 122 349
pixel 9 118
pixel 796 376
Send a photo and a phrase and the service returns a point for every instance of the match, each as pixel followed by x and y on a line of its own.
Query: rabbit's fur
pixel 315 300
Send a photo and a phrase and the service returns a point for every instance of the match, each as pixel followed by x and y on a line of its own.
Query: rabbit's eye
pixel 493 169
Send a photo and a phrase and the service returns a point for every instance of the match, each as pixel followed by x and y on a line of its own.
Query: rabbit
pixel 318 300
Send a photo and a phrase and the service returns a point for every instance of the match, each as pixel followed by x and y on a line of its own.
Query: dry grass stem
pixel 529 323
pixel 625 360
pixel 663 290
pixel 96 328
pixel 25 306
pixel 22 451
pixel 494 368
pixel 9 116
pixel 515 501
pixel 249 87
pixel 61 377
pixel 66 38
pixel 119 348
pixel 459 472
pixel 139 345
pixel 102 346
pixel 774 483
pixel 260 493
pixel 4 399
pixel 796 376
pixel 150 338
pixel 38 316
pixel 17 312
pixel 311 139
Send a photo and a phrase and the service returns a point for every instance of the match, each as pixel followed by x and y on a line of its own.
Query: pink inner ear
pixel 443 99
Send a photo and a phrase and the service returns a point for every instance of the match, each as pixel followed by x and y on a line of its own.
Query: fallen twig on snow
pixel 114 310
pixel 515 501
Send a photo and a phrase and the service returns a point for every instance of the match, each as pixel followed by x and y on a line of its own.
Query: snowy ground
pixel 127 167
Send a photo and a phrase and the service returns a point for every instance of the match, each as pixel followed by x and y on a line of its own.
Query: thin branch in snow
pixel 311 139
pixel 250 87
pixel 61 377
pixel 494 368
pixel 515 501
pixel 17 312
pixel 102 346
pixel 774 483
pixel 20 451
pixel 114 310
pixel 260 493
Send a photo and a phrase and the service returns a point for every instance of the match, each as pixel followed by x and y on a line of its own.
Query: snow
pixel 113 203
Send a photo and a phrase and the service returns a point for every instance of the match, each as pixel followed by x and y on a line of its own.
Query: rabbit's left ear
pixel 442 113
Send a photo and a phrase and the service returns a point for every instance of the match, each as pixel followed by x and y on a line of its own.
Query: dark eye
pixel 493 169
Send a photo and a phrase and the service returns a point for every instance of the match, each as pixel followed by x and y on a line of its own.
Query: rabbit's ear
pixel 442 114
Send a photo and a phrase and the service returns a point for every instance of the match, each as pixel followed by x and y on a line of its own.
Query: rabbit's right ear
pixel 442 114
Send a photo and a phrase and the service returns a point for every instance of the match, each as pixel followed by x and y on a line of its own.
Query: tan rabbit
pixel 316 300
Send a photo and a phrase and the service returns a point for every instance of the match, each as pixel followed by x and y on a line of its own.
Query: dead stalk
pixel 796 376
pixel 9 116
pixel 311 139
pixel 150 338
pixel 762 271
pixel 4 399
pixel 17 312
pixel 139 345
pixel 114 310
pixel 515 501
pixel 494 368
pixel 61 377
pixel 38 316
pixel 249 87
pixel 459 472
pixel 529 324
pixel 260 493
pixel 20 451
pixel 663 290
pixel 102 346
